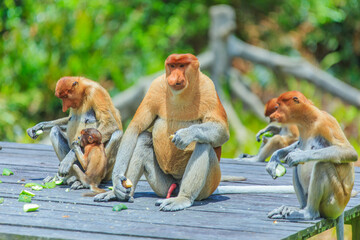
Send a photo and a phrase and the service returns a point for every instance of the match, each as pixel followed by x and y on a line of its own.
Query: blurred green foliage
pixel 116 42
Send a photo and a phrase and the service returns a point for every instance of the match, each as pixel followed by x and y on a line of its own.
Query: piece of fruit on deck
pixel 30 207
pixel 29 185
pixel 59 182
pixel 7 172
pixel 37 188
pixel 1 200
pixel 49 185
pixel 25 192
pixel 119 207
pixel 24 198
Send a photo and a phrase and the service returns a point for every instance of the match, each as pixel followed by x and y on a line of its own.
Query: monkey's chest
pixel 78 122
pixel 305 170
pixel 171 159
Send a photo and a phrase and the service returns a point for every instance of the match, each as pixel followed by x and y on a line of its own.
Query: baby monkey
pixel 93 160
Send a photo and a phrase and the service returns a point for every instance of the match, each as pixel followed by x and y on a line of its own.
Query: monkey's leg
pixel 202 176
pixel 326 194
pixel 111 149
pixel 66 157
pixel 284 211
pixel 142 161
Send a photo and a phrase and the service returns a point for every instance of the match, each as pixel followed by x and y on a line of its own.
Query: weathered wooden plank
pixel 220 216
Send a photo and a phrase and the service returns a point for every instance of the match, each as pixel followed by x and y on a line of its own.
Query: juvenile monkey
pixel 189 125
pixel 93 160
pixel 90 107
pixel 283 136
pixel 322 159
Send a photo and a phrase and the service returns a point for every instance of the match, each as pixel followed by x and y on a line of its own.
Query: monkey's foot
pixel 77 185
pixel 175 204
pixel 105 197
pixel 282 212
pixel 52 179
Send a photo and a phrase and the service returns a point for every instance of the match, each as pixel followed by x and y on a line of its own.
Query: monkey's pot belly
pixel 171 159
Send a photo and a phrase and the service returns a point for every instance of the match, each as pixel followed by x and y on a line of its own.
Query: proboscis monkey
pixel 322 159
pixel 282 136
pixel 189 125
pixel 93 160
pixel 90 107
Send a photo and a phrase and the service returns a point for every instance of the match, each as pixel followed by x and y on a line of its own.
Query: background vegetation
pixel 116 42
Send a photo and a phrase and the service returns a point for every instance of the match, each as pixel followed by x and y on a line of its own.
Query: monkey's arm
pixel 79 154
pixel 46 126
pixel 334 153
pixel 143 118
pixel 277 156
pixel 213 133
pixel 269 128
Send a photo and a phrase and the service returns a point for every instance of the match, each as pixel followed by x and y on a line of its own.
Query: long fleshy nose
pixel 176 80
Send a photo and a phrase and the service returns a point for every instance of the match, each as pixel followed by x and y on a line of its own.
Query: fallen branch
pixel 297 67
pixel 239 89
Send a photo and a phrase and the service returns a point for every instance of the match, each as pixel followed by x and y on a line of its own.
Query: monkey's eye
pixel 172 65
pixel 182 65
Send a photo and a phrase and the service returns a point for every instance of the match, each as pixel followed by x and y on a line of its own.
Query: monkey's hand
pixel 34 131
pixel 182 138
pixel 295 158
pixel 67 163
pixel 120 192
pixel 75 145
pixel 258 135
pixel 271 168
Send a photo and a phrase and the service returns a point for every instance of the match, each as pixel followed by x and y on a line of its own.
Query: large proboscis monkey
pixel 93 160
pixel 189 125
pixel 90 107
pixel 322 159
pixel 282 136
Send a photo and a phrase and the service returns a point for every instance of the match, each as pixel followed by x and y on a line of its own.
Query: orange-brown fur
pixel 294 108
pixel 94 160
pixel 81 95
pixel 201 103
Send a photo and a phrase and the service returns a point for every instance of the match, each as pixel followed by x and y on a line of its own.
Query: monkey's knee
pixel 55 132
pixel 116 135
pixel 213 177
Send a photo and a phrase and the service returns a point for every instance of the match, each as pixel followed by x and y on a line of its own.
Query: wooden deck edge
pixel 324 225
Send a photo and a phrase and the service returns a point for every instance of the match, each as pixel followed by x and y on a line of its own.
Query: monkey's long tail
pixel 95 191
pixel 254 189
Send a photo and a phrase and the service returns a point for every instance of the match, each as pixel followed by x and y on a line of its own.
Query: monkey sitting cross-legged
pixel 189 125
pixel 322 159
pixel 93 160
pixel 90 107
pixel 283 136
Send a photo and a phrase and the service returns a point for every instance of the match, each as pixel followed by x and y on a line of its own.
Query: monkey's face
pixel 90 136
pixel 67 89
pixel 178 67
pixel 270 107
pixel 290 106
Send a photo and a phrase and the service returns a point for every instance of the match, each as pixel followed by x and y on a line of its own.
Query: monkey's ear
pixel 296 99
pixel 90 139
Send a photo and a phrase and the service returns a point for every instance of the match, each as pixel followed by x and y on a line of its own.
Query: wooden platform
pixel 68 215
